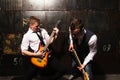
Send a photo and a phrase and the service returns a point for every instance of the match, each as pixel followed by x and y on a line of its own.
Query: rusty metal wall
pixel 100 16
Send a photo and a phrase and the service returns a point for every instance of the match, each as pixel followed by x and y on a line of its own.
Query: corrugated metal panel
pixel 11 5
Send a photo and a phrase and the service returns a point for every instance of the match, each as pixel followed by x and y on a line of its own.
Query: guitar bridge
pixel 39 59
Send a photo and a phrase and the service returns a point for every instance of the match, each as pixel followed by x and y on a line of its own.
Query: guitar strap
pixel 41 38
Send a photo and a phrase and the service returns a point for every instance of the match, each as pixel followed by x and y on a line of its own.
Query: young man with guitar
pixel 35 44
pixel 84 43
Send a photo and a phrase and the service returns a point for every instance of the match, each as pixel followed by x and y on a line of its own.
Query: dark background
pixel 100 16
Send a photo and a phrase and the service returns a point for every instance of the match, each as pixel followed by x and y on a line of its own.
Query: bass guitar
pixel 85 74
pixel 41 62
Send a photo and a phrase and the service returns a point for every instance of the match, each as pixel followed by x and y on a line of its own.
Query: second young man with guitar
pixel 85 44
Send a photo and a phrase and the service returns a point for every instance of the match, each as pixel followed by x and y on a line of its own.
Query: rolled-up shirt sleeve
pixel 93 49
pixel 70 36
pixel 45 36
pixel 24 44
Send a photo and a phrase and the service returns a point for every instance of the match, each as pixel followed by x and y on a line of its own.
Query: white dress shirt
pixel 31 39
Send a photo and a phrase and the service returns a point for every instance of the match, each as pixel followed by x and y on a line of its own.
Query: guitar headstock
pixel 57 23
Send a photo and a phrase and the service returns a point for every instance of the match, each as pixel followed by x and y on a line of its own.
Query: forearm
pixel 93 49
pixel 28 53
pixel 89 57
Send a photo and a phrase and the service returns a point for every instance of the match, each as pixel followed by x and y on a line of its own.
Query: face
pixel 34 26
pixel 75 32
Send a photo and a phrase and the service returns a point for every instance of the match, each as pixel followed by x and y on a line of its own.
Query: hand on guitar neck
pixel 55 32
pixel 71 47
pixel 81 67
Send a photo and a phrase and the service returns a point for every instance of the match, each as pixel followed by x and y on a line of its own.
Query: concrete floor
pixel 96 77
pixel 107 77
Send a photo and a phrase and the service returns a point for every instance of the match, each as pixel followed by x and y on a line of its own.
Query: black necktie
pixel 41 39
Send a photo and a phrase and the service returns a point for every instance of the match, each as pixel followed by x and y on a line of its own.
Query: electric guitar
pixel 41 62
pixel 85 74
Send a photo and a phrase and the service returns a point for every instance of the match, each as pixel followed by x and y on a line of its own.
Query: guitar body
pixel 85 75
pixel 40 62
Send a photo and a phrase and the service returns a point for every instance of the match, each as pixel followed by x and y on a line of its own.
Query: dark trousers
pixel 53 67
pixel 88 69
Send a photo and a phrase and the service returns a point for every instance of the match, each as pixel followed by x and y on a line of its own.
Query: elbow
pixel 23 53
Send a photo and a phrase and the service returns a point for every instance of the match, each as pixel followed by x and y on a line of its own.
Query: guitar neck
pixel 49 41
pixel 86 77
pixel 79 62
pixel 75 53
pixel 51 36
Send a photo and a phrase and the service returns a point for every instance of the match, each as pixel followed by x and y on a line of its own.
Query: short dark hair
pixel 34 19
pixel 76 23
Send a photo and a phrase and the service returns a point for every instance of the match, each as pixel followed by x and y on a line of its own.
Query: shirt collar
pixel 84 30
pixel 30 30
